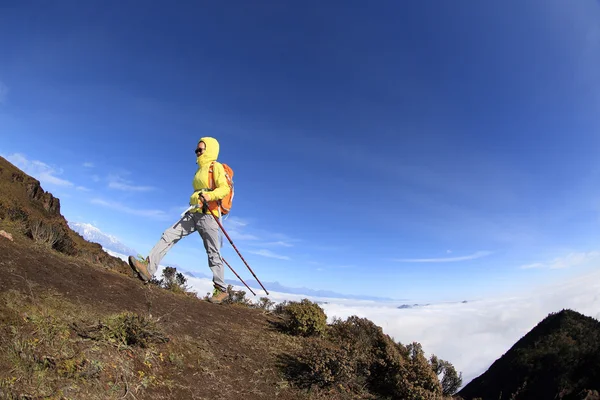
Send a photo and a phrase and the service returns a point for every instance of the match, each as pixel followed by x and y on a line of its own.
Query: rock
pixel 36 193
pixel 6 235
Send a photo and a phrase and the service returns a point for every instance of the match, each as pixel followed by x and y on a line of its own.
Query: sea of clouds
pixel 470 335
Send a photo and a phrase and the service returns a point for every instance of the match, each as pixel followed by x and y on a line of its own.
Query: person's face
pixel 200 149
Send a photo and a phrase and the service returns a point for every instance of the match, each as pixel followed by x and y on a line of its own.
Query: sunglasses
pixel 199 150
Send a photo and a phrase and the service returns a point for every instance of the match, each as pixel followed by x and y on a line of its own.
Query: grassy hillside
pixel 27 209
pixel 76 324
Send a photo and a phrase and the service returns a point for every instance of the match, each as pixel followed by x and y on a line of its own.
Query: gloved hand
pixel 196 200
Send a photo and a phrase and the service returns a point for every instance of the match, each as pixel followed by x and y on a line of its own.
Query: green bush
pixel 15 213
pixel 451 380
pixel 279 308
pixel 325 364
pixel 172 281
pixel 304 318
pixel 356 356
pixel 237 297
pixel 264 303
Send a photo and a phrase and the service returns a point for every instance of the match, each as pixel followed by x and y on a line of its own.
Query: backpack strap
pixel 211 185
pixel 211 179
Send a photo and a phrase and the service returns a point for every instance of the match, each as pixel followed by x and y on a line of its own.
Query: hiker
pixel 196 219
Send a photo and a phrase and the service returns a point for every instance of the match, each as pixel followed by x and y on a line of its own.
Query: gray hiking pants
pixel 191 222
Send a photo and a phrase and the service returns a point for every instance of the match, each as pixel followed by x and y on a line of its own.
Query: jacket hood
pixel 211 153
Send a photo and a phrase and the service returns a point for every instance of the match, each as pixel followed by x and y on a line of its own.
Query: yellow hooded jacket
pixel 201 183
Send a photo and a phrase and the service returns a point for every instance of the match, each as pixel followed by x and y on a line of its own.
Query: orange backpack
pixel 224 205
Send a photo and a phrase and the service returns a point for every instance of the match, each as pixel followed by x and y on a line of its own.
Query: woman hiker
pixel 197 219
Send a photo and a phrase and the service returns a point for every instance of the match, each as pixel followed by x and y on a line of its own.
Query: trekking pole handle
pixel 204 203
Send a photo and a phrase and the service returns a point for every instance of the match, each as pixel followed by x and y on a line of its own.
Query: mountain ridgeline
pixel 557 359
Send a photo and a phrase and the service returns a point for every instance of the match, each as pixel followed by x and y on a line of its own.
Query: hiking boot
pixel 218 296
pixel 141 267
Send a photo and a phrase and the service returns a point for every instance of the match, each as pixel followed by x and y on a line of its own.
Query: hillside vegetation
pixel 557 359
pixel 76 324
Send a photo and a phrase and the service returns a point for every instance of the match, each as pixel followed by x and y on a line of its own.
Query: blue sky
pixel 425 151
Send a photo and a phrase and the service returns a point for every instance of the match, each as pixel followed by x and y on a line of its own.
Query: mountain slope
pixel 211 348
pixel 557 359
pixel 29 210
pixel 75 323
pixel 59 295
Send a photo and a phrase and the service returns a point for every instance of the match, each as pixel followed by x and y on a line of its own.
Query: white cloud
pixel 236 222
pixel 569 261
pixel 83 189
pixel 239 229
pixel 155 214
pixel 279 243
pixel 473 335
pixel 534 265
pixel 235 228
pixel 88 165
pixel 328 248
pixel 118 183
pixel 281 237
pixel 470 335
pixel 46 174
pixel 325 266
pixel 269 254
pixel 237 235
pixel 3 92
pixel 473 256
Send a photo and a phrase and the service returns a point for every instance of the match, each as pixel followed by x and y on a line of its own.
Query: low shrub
pixel 264 303
pixel 124 330
pixel 304 318
pixel 237 297
pixel 355 356
pixel 15 213
pixel 52 235
pixel 325 364
pixel 131 329
pixel 44 233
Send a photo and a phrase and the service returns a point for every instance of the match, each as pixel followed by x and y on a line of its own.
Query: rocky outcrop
pixel 36 194
pixel 37 214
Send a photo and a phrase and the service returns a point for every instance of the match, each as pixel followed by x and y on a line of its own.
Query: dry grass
pixel 46 234
pixel 47 356
pixel 70 333
pixel 55 348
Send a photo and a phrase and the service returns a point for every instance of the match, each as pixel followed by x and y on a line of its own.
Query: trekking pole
pixel 223 258
pixel 231 241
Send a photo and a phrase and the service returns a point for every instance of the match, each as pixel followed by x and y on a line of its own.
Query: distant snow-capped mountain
pixel 93 234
